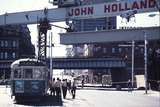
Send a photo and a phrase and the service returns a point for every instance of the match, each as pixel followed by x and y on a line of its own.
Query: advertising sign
pixel 35 86
pixel 19 86
pixel 108 9
pixel 112 8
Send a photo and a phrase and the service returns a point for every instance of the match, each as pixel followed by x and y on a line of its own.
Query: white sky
pixel 28 5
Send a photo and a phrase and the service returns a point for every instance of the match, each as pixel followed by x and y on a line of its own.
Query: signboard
pixel 112 8
pixel 109 9
pixel 115 35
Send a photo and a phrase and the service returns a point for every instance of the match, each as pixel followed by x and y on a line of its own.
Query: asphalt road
pixel 92 98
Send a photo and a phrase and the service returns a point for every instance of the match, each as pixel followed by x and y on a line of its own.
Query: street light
pixel 52 45
pixel 50 53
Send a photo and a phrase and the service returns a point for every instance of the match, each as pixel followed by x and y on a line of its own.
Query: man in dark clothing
pixel 129 85
pixel 82 83
pixel 69 85
pixel 53 87
pixel 73 90
pixel 58 86
pixel 64 88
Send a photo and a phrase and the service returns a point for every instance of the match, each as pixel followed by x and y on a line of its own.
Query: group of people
pixel 57 87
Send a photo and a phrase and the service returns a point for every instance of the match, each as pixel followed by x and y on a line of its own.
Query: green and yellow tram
pixel 29 79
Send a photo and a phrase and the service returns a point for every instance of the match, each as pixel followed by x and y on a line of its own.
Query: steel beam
pixel 109 9
pixel 153 33
pixel 87 63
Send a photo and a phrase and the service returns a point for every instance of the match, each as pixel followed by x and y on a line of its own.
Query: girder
pixel 153 33
pixel 80 12
pixel 87 63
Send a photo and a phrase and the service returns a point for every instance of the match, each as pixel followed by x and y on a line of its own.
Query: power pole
pixel 145 61
pixel 133 45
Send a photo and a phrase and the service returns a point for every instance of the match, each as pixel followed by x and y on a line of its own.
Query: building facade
pixel 15 43
pixel 121 49
pixel 95 50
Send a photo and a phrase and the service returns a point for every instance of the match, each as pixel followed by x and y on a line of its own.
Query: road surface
pixel 93 98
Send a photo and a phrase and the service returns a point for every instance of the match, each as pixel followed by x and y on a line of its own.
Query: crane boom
pixel 80 12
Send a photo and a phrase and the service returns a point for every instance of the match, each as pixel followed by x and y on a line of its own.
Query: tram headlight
pixel 19 86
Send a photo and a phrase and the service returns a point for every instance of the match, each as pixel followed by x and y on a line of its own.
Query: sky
pixel 10 6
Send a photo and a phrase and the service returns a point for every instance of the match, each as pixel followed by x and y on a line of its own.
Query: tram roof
pixel 27 62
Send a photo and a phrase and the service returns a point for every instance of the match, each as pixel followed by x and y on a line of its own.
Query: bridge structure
pixel 115 35
pixel 86 63
pixel 45 17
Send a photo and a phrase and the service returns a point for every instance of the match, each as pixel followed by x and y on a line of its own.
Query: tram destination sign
pixel 112 8
pixel 31 63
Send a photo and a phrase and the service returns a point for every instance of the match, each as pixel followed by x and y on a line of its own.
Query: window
pixel 2 43
pixel 13 55
pixel 113 50
pixel 150 50
pixel 5 55
pixel 28 73
pixel 120 50
pixel 126 49
pixel 1 55
pixel 142 50
pixel 17 74
pixel 137 48
pixel 104 50
pixel 95 49
pixel 14 43
pixel 37 74
pixel 6 43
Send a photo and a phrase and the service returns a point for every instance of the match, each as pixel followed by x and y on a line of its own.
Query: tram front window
pixel 37 74
pixel 17 74
pixel 28 73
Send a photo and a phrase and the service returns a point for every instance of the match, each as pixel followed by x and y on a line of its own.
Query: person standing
pixel 73 89
pixel 50 87
pixel 82 82
pixel 58 86
pixel 69 86
pixel 129 85
pixel 53 87
pixel 64 88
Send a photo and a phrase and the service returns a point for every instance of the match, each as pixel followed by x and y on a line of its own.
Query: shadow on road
pixel 47 101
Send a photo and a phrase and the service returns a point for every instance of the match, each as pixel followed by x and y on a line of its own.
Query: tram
pixel 29 79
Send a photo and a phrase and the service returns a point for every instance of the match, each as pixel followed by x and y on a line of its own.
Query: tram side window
pixel 17 74
pixel 28 73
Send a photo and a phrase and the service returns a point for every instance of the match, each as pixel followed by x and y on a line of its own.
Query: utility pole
pixel 133 45
pixel 51 71
pixel 145 61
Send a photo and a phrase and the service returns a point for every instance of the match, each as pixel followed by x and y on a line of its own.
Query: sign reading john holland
pixel 112 8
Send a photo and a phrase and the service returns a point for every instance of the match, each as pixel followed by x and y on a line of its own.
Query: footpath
pixel 109 88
